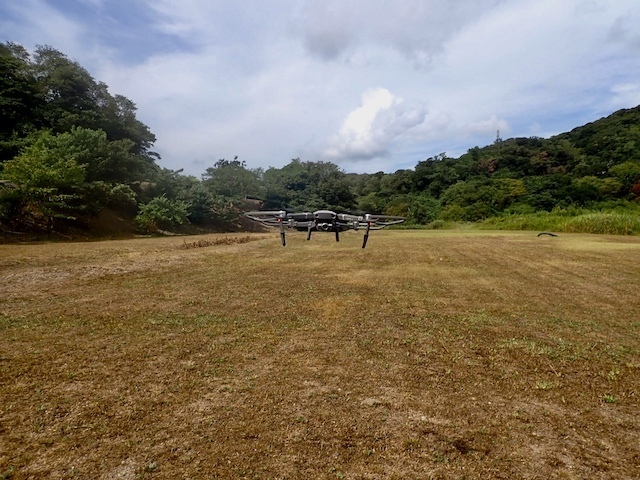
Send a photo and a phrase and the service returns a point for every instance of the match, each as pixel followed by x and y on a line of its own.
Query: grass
pixel 624 222
pixel 431 354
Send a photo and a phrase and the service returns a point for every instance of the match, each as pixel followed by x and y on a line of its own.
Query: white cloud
pixel 369 130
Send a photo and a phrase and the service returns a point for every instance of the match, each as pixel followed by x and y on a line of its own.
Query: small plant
pixel 7 474
pixel 608 398
pixel 336 472
pixel 545 385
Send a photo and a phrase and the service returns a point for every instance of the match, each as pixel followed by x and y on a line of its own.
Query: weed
pixel 411 444
pixel 7 474
pixel 337 473
pixel 546 385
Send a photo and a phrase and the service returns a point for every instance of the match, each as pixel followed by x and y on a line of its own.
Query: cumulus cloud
pixel 369 130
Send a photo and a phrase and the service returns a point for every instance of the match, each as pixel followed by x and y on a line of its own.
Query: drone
pixel 323 221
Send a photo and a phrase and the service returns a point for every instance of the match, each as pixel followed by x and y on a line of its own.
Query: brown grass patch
pixel 426 355
pixel 217 241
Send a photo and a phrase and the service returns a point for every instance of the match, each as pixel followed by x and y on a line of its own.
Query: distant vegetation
pixel 70 150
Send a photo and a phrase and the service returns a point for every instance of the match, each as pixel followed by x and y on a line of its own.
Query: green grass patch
pixel 608 222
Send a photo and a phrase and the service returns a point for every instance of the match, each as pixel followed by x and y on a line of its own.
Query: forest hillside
pixel 75 161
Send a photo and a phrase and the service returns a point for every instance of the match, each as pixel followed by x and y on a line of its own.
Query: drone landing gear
pixel 366 235
pixel 282 236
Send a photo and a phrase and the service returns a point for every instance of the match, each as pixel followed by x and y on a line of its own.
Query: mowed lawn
pixel 453 354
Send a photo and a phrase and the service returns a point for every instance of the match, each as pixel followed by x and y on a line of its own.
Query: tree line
pixel 69 149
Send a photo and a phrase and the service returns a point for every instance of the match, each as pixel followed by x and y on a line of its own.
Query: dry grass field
pixel 452 355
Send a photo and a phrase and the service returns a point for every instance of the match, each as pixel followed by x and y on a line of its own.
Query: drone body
pixel 323 221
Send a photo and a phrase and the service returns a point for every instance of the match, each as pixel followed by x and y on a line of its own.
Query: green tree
pixel 423 208
pixel 73 98
pixel 161 213
pixel 232 179
pixel 435 175
pixel 47 183
pixel 308 186
pixel 478 198
pixel 628 174
pixel 19 100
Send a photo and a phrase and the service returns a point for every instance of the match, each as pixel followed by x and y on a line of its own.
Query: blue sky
pixel 368 84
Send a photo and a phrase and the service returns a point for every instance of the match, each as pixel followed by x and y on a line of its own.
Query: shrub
pixel 161 213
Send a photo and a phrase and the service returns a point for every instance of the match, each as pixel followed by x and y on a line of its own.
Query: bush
pixel 437 225
pixel 618 222
pixel 608 223
pixel 161 214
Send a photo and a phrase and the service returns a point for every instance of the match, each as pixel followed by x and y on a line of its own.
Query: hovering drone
pixel 323 221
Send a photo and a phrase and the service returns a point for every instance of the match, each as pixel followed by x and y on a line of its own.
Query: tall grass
pixel 614 222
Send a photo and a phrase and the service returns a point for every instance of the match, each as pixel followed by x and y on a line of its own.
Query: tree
pixel 232 180
pixel 423 209
pixel 68 91
pixel 308 186
pixel 476 197
pixel 47 182
pixel 19 100
pixel 548 191
pixel 628 174
pixel 161 213
pixel 73 98
pixel 435 175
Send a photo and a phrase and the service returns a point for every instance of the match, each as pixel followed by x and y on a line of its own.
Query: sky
pixel 370 85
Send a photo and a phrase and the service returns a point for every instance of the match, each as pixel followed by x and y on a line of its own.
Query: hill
pixel 73 154
pixel 594 167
